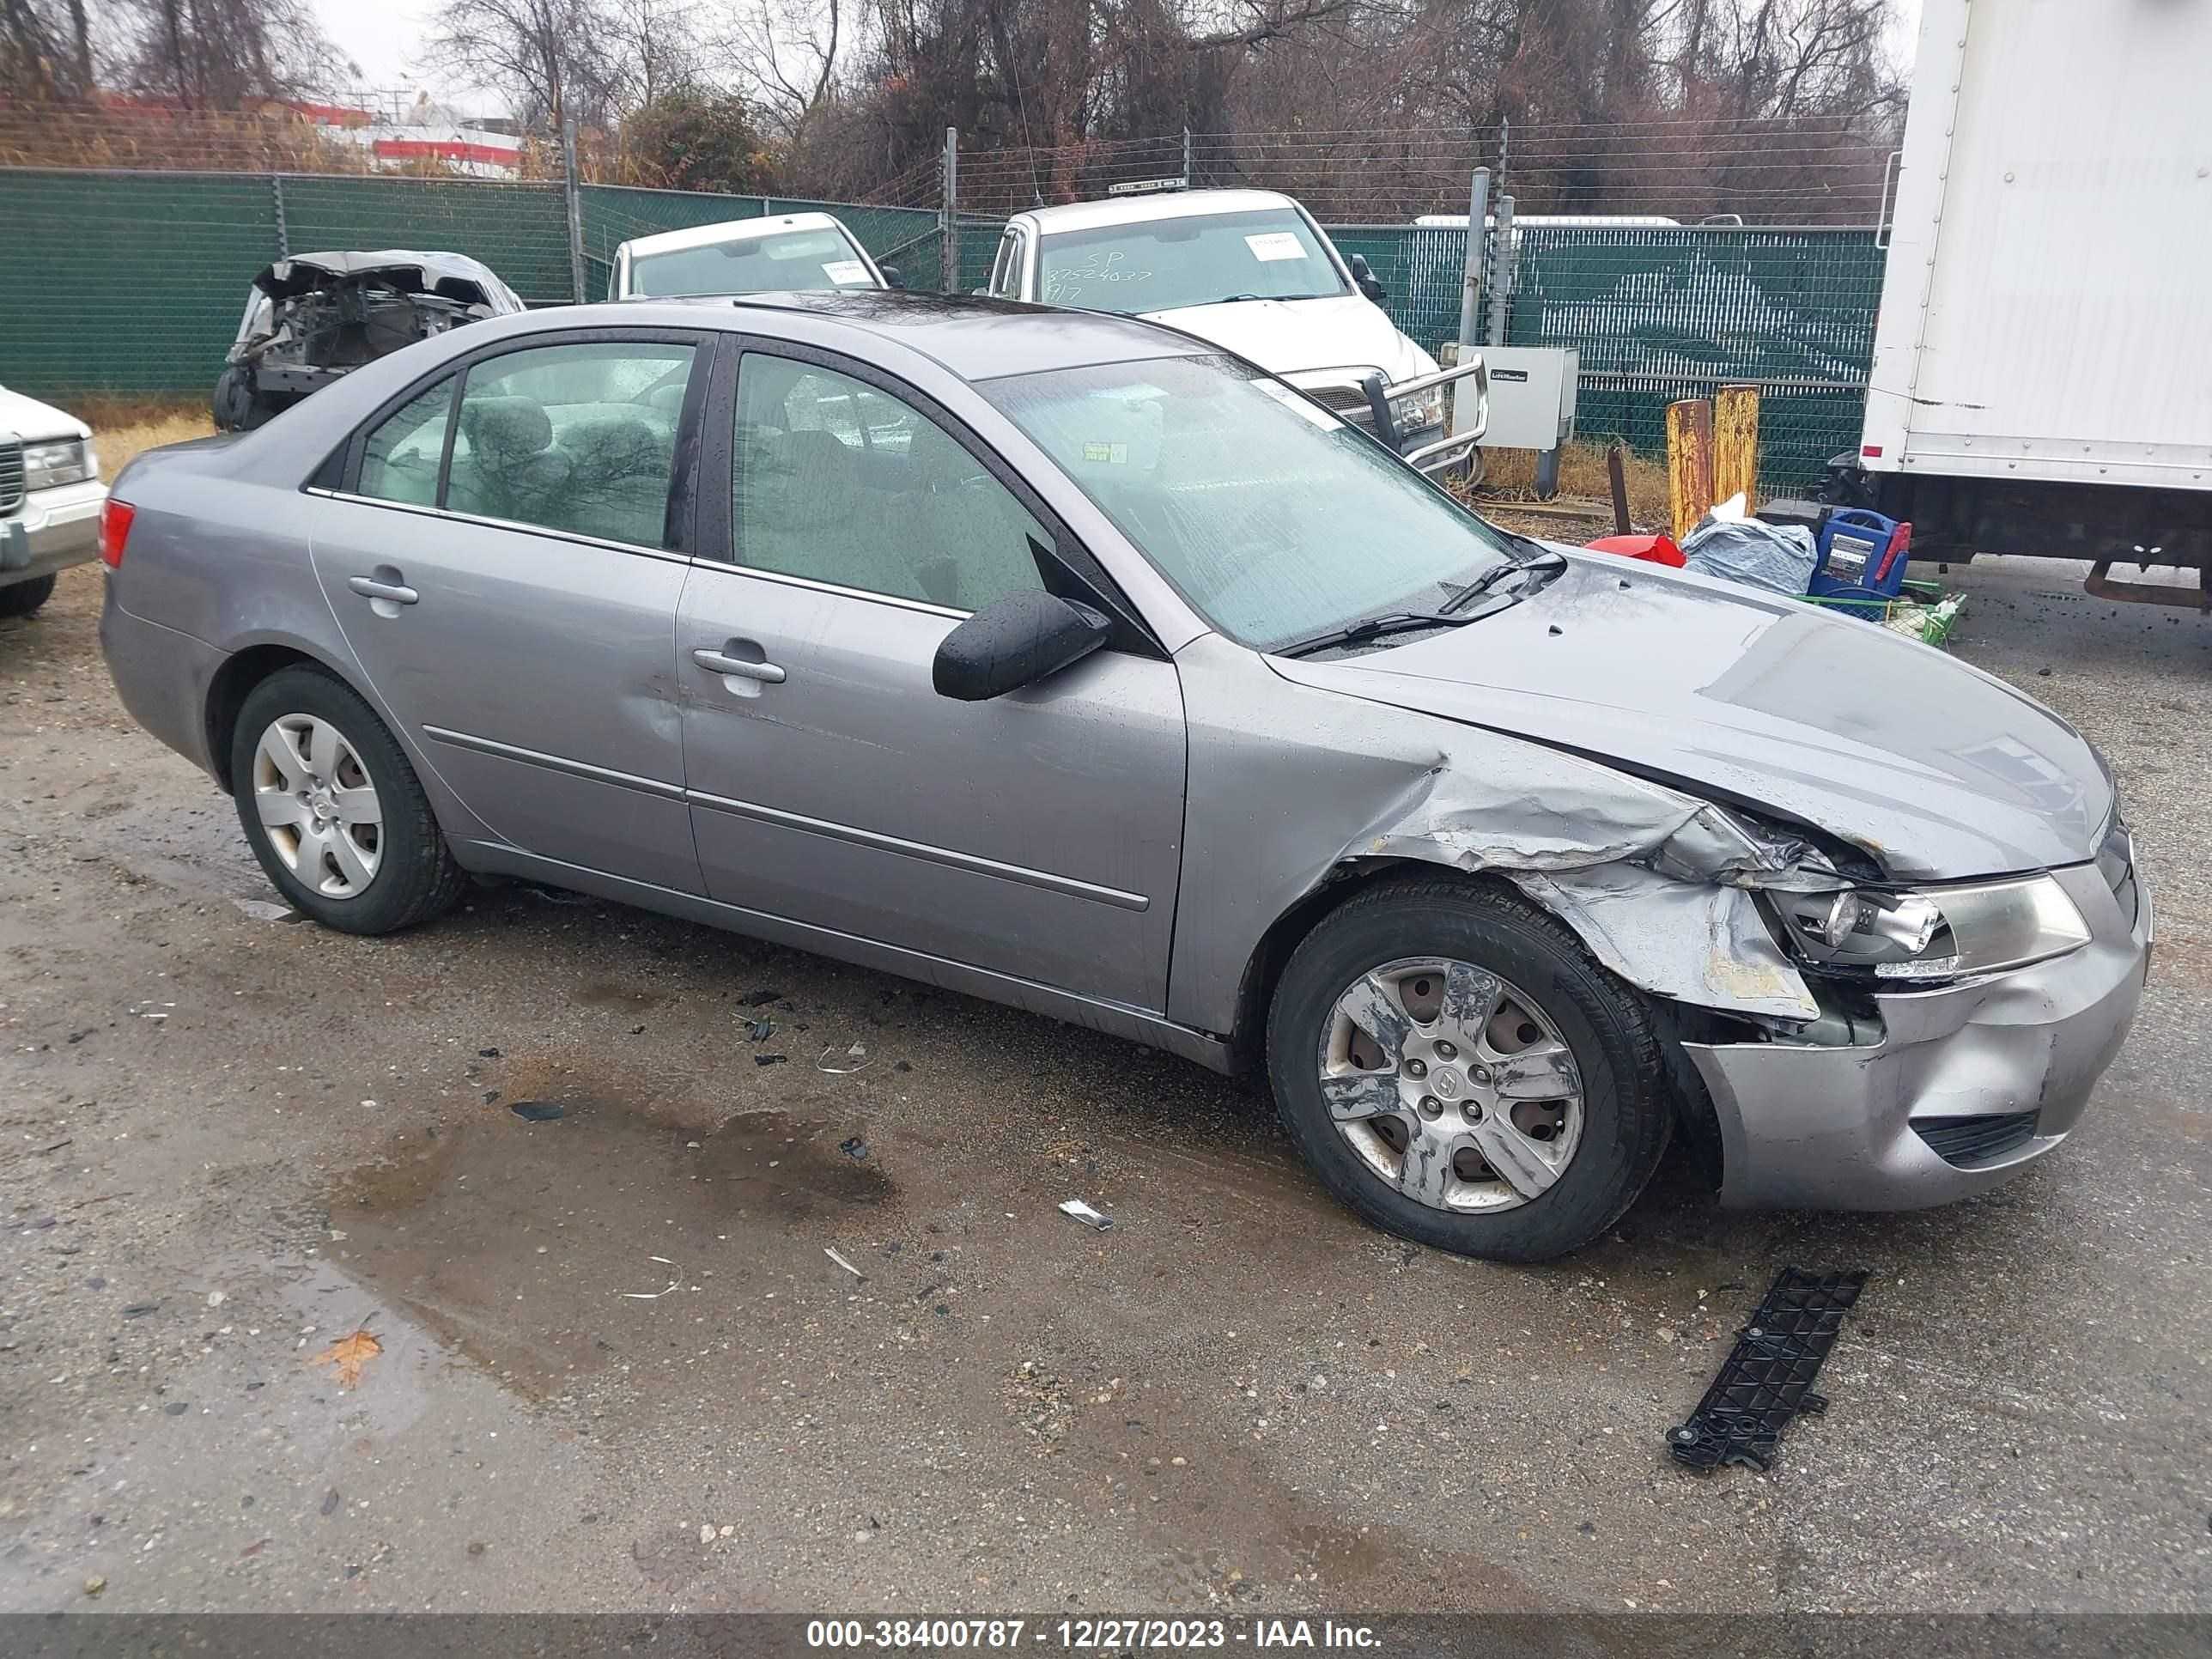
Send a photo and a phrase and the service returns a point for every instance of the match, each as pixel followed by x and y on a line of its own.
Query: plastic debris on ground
pixel 537 1112
pixel 655 1296
pixel 1767 1379
pixel 846 1265
pixel 1736 548
pixel 1088 1217
pixel 852 1060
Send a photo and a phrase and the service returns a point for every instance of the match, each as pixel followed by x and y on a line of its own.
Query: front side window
pixel 841 481
pixel 580 438
pixel 755 264
pixel 1199 259
pixel 1274 519
pixel 400 461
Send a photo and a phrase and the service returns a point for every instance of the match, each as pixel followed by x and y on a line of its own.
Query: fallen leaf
pixel 348 1355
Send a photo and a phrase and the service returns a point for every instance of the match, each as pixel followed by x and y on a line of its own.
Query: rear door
pixel 505 554
pixel 1036 835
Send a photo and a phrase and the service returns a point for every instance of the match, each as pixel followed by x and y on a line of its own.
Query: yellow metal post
pixel 1689 462
pixel 1736 444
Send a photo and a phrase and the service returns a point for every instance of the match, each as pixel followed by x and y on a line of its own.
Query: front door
pixel 505 565
pixel 1036 835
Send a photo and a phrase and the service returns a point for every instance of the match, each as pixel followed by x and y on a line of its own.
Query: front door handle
pixel 369 588
pixel 714 662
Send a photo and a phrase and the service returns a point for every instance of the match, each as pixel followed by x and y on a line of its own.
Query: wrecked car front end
pixel 1937 1091
pixel 1843 1031
pixel 315 317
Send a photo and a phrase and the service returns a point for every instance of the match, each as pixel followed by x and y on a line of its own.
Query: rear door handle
pixel 369 588
pixel 714 662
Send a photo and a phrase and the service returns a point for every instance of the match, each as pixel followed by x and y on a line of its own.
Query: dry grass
pixel 1510 476
pixel 122 426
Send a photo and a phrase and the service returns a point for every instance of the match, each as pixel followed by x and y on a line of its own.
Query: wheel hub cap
pixel 1452 1084
pixel 318 806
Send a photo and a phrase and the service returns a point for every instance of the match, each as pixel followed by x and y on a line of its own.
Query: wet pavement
pixel 616 1365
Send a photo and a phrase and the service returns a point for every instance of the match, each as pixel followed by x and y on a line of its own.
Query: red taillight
pixel 114 530
pixel 1872 452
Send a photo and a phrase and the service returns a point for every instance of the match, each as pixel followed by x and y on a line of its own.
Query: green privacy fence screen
pixel 132 282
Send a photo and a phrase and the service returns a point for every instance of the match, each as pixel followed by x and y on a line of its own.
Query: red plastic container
pixel 1652 549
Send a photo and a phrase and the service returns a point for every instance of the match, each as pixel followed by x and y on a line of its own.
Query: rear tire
pixel 1418 1133
pixel 22 598
pixel 333 811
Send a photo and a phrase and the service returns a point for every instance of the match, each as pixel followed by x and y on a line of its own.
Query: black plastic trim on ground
pixel 1968 1140
pixel 1767 1379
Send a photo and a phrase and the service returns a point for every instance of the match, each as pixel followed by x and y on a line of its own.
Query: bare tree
pixel 549 59
pixel 653 50
pixel 220 54
pixel 45 49
pixel 787 56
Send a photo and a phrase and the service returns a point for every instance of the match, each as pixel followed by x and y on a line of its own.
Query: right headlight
pixel 1418 411
pixel 1941 932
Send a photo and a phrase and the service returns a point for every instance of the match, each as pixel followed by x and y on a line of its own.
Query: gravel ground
pixel 616 1366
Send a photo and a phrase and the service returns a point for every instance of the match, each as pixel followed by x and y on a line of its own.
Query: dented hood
pixel 1938 770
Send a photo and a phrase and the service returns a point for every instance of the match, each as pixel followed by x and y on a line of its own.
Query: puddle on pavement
pixel 531 1247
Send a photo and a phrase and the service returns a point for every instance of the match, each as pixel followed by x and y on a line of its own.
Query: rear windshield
pixel 758 264
pixel 1270 253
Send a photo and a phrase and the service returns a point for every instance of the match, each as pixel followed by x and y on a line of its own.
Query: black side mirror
pixel 1363 277
pixel 893 276
pixel 1015 641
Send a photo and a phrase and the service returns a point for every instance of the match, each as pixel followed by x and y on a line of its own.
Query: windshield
pixel 1199 260
pixel 1275 520
pixel 757 265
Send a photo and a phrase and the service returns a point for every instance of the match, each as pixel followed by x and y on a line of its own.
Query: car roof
pixel 975 338
pixel 1146 209
pixel 730 230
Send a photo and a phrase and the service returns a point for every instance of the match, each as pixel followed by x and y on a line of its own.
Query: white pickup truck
pixel 49 500
pixel 1250 270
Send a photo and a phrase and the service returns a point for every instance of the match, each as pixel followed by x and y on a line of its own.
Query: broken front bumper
pixel 1969 1084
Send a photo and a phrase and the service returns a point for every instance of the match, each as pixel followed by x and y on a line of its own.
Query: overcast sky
pixel 385 37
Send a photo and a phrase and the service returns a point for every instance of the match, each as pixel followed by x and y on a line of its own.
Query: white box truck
pixel 2041 378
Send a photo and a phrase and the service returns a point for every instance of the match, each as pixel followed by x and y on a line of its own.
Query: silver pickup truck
pixel 49 500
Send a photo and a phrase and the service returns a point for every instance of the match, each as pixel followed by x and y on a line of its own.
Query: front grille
pixel 1968 1141
pixel 1349 401
pixel 11 474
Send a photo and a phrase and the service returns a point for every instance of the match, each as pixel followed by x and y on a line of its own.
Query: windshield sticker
pixel 1111 454
pixel 1272 245
pixel 847 271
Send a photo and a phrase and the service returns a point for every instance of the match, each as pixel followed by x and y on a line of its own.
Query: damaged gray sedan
pixel 1067 661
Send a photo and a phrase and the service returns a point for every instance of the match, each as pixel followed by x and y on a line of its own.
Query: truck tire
pixel 22 598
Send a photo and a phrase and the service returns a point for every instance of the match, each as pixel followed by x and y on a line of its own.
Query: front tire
pixel 1460 1072
pixel 333 811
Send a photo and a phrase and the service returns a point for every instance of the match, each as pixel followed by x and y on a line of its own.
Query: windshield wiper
pixel 1371 628
pixel 1541 556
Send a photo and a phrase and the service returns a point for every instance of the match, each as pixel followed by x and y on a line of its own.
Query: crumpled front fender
pixel 1289 785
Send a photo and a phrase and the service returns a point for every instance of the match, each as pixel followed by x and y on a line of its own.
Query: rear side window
pixel 580 438
pixel 399 463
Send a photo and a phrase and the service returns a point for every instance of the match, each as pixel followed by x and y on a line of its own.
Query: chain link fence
pixel 132 282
